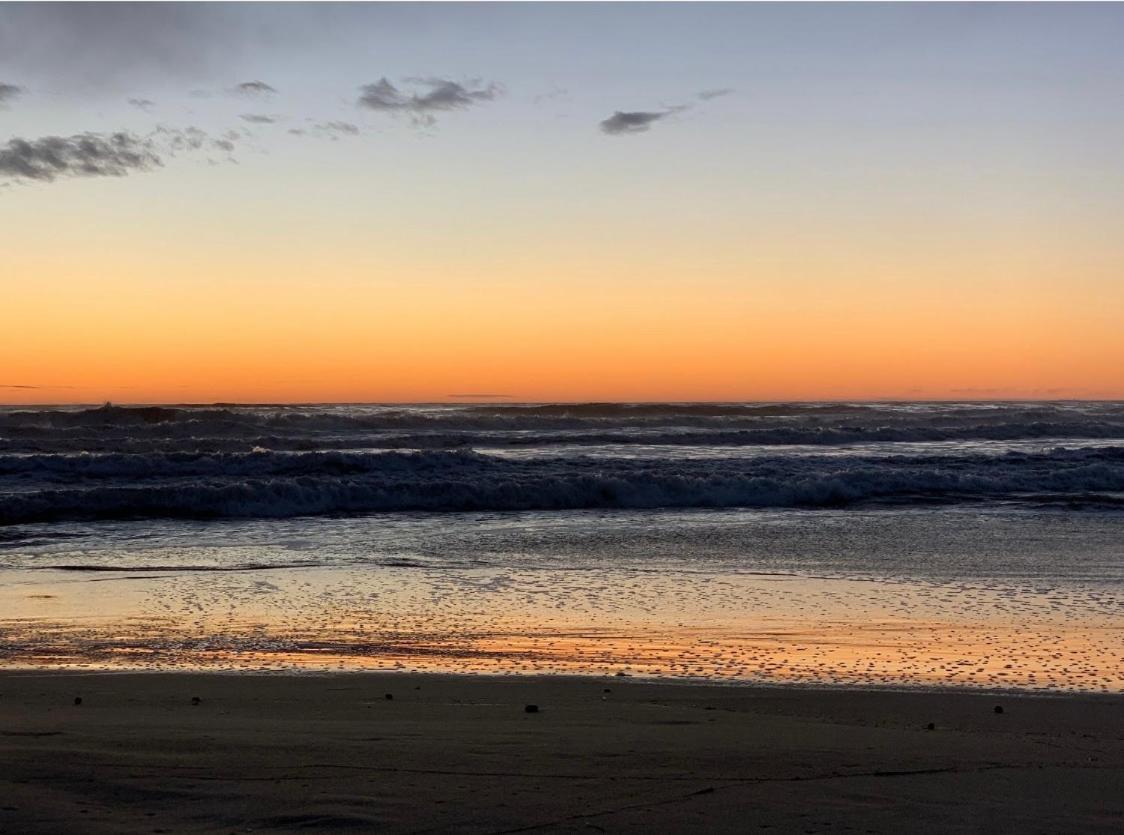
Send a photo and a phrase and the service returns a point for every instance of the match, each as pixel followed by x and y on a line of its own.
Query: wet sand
pixel 752 628
pixel 460 753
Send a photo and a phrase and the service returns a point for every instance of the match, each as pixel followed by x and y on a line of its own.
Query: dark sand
pixel 447 753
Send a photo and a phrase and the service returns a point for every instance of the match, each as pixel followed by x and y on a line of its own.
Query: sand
pixel 460 753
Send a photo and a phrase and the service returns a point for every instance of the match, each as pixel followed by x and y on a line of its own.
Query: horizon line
pixel 510 400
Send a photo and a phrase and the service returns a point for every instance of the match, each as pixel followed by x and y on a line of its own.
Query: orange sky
pixel 793 327
pixel 926 206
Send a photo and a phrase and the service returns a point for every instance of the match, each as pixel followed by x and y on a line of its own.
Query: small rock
pixel 999 708
pixel 195 700
pixel 77 700
pixel 531 709
pixel 931 727
pixel 622 674
pixel 389 697
pixel 606 690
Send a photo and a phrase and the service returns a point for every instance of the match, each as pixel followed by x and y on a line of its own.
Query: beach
pixel 729 617
pixel 589 417
pixel 418 753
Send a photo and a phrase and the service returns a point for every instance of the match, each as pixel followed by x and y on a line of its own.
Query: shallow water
pixel 981 597
pixel 881 544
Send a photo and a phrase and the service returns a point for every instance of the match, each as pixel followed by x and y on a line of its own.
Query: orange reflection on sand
pixel 888 653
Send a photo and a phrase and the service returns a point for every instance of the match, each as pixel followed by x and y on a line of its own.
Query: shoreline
pixel 319 751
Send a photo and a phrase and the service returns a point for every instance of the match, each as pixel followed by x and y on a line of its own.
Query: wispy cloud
pixel 142 104
pixel 258 118
pixel 176 141
pixel 254 88
pixel 9 92
pixel 429 96
pixel 640 121
pixel 31 388
pixel 552 95
pixel 329 130
pixel 82 155
pixel 637 121
pixel 106 47
pixel 337 128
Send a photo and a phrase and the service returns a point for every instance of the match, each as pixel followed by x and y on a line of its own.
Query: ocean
pixel 882 544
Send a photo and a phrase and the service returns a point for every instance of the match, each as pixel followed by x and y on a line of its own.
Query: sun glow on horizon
pixel 938 221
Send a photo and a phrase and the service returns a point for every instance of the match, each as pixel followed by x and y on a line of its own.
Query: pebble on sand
pixel 931 726
pixel 531 709
pixel 389 697
pixel 999 708
pixel 77 700
pixel 195 700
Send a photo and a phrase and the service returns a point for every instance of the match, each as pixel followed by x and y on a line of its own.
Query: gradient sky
pixel 560 202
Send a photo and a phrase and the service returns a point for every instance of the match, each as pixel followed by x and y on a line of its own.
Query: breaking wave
pixel 284 484
pixel 231 429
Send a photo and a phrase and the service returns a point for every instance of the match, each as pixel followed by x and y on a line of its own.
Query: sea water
pixel 934 544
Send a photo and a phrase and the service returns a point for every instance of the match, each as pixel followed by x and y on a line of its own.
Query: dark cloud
pixel 254 88
pixel 8 92
pixel 105 154
pixel 707 95
pixel 110 45
pixel 433 95
pixel 142 104
pixel 258 118
pixel 631 122
pixel 83 155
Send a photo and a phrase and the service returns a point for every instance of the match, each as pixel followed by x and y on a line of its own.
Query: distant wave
pixel 272 484
pixel 233 429
pixel 220 461
pixel 222 420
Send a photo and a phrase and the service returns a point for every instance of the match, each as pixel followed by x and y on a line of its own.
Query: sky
pixel 407 202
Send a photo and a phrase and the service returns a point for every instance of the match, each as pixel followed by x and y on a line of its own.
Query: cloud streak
pixel 9 92
pixel 331 130
pixel 82 155
pixel 431 95
pixel 90 154
pixel 254 88
pixel 624 122
pixel 637 121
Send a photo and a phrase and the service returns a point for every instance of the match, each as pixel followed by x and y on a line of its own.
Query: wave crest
pixel 297 484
